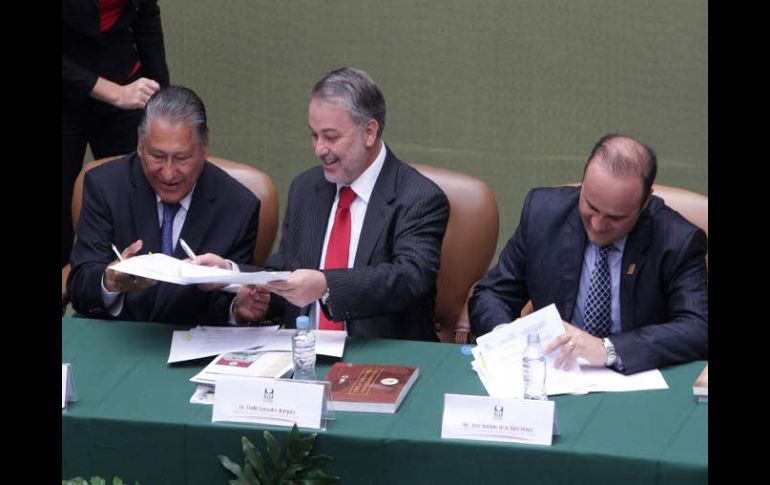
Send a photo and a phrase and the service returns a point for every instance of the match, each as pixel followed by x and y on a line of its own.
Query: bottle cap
pixel 303 322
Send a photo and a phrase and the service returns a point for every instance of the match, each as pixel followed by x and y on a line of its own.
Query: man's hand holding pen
pixel 116 281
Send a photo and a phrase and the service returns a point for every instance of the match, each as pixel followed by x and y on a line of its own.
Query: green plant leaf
pixel 234 468
pixel 317 476
pixel 98 481
pixel 273 449
pixel 288 466
pixel 117 481
pixel 254 457
pixel 249 476
pixel 317 461
pixel 292 444
pixel 292 470
pixel 305 445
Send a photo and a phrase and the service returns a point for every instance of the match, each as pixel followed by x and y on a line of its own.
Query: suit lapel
pixel 200 215
pixel 571 251
pixel 378 211
pixel 315 220
pixel 144 209
pixel 634 258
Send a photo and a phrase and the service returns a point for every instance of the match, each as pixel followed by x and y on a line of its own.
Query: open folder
pixel 161 267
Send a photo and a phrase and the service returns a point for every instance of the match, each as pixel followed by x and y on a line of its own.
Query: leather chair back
pixel 469 243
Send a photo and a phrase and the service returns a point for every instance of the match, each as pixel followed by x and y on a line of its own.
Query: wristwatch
pixel 325 304
pixel 612 357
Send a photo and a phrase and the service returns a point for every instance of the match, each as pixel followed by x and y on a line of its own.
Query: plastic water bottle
pixel 533 361
pixel 303 350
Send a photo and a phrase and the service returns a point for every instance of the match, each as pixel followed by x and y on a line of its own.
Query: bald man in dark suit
pixel 655 306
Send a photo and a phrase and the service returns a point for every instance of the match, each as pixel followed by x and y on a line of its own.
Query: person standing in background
pixel 113 60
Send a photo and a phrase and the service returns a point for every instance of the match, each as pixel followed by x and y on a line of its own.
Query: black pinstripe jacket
pixel 391 290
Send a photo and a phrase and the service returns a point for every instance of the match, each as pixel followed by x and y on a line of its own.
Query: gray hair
pixel 177 104
pixel 362 98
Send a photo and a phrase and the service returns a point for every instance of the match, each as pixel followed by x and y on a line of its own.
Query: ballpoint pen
pixel 117 253
pixel 189 252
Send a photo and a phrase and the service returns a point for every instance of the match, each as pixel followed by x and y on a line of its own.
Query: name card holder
pixel 277 402
pixel 67 386
pixel 483 418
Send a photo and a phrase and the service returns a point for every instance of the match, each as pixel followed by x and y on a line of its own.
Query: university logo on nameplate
pixel 483 418
pixel 268 401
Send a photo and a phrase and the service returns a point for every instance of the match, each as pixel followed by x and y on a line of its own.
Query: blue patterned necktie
pixel 598 318
pixel 167 229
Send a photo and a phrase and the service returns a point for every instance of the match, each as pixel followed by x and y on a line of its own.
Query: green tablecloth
pixel 133 419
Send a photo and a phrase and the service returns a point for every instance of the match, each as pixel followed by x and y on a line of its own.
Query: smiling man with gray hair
pixel 362 231
pixel 146 202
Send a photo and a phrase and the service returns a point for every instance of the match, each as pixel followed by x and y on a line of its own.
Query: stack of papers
pixel 498 362
pixel 203 341
pixel 161 267
pixel 245 363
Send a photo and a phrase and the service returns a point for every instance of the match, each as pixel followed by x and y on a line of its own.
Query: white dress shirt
pixel 363 187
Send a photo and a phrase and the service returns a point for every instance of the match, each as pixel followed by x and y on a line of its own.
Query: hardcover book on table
pixel 370 388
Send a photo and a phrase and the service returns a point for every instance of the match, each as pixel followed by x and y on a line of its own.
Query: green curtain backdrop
pixel 512 92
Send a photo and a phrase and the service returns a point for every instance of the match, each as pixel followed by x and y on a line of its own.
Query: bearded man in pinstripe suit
pixel 384 283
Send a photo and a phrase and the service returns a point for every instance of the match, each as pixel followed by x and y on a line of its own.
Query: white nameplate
pixel 483 418
pixel 268 401
pixel 67 390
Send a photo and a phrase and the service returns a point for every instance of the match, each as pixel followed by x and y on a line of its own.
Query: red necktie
pixel 339 246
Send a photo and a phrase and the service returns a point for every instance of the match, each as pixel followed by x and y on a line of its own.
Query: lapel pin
pixel 631 268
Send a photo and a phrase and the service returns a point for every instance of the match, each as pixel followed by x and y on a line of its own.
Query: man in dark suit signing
pixel 147 201
pixel 627 272
pixel 362 231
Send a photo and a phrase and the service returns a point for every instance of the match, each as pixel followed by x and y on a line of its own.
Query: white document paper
pixel 161 267
pixel 503 375
pixel 602 379
pixel 498 357
pixel 483 418
pixel 327 342
pixel 497 361
pixel 203 341
pixel 232 277
pixel 512 337
pixel 204 394
pixel 268 401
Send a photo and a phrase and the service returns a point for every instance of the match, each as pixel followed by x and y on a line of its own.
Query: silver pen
pixel 189 252
pixel 117 253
